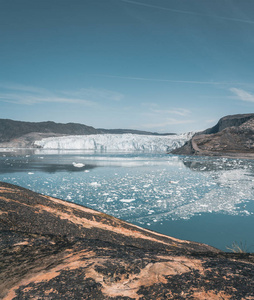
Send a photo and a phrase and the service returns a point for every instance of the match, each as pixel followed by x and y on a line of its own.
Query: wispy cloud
pixel 170 80
pixel 188 12
pixel 178 111
pixel 224 84
pixel 29 95
pixel 22 88
pixel 154 109
pixel 160 7
pixel 29 99
pixel 96 94
pixel 243 95
pixel 167 122
pixel 163 119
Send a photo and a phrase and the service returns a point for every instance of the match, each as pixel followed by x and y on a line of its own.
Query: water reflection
pixel 26 161
pixel 52 161
pixel 206 164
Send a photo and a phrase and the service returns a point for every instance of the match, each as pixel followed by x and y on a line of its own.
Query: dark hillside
pixel 232 136
pixel 10 129
pixel 133 131
pixel 22 134
pixel 228 121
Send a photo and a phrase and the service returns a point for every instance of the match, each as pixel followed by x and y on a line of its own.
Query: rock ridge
pixel 232 136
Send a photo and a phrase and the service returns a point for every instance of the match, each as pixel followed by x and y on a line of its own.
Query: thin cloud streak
pixel 242 95
pixel 161 8
pixel 188 12
pixel 29 95
pixel 171 81
pixel 179 112
pixel 154 110
pixel 97 94
pixel 27 99
pixel 22 88
pixel 167 123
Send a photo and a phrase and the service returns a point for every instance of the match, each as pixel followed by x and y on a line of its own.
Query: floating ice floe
pixel 127 200
pixel 95 184
pixel 78 165
pixel 173 182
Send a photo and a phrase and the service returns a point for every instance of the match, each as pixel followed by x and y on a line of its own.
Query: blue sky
pixel 155 65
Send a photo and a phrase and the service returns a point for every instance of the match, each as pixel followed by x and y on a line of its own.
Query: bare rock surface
pixel 53 249
pixel 232 136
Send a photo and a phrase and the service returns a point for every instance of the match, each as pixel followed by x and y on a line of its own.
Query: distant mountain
pixel 23 134
pixel 228 121
pixel 133 131
pixel 10 129
pixel 232 136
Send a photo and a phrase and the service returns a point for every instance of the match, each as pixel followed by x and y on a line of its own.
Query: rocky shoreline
pixel 53 249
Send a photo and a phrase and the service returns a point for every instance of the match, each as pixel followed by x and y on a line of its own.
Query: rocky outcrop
pixel 229 121
pixel 232 136
pixel 52 249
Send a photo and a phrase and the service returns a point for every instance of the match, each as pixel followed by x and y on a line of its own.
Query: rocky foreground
pixel 232 136
pixel 53 249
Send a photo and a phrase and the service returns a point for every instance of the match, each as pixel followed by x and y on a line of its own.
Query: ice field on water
pixel 204 199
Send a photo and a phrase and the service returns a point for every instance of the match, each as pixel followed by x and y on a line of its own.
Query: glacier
pixel 116 142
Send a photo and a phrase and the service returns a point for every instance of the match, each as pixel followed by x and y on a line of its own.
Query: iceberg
pixel 78 165
pixel 116 142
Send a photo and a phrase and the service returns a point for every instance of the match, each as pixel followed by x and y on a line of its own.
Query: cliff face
pixel 232 136
pixel 229 121
pixel 52 249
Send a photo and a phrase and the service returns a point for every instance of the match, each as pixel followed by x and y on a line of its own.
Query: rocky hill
pixel 52 249
pixel 232 136
pixel 23 134
pixel 133 131
pixel 10 129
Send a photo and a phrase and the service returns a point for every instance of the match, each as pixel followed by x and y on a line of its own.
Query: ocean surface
pixel 203 199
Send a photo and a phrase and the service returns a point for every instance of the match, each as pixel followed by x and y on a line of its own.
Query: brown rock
pixel 232 136
pixel 52 249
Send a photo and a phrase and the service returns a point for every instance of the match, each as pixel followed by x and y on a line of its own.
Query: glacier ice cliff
pixel 116 142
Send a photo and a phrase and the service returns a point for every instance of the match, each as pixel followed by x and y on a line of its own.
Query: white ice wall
pixel 116 142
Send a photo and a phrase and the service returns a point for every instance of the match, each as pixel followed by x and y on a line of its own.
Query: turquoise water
pixel 209 200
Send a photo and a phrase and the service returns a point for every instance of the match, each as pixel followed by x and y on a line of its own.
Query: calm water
pixel 209 200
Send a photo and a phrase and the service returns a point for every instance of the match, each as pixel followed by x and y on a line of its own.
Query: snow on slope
pixel 116 142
